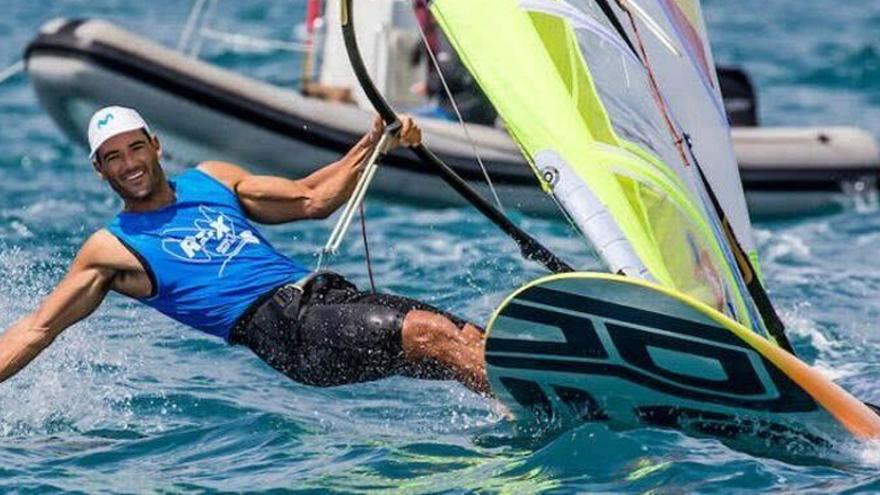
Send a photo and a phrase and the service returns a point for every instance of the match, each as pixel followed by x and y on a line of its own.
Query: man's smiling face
pixel 129 162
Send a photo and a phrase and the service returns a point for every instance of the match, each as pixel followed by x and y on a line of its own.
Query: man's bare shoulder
pixel 229 174
pixel 104 250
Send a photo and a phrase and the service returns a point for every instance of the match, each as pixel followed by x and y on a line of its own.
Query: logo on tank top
pixel 211 237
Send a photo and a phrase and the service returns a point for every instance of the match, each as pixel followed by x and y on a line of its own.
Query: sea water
pixel 130 402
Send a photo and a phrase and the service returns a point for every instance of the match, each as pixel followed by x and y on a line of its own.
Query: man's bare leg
pixel 428 335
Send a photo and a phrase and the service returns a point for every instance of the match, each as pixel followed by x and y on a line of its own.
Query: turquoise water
pixel 131 402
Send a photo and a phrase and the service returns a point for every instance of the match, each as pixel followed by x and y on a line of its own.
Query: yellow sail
pixel 607 137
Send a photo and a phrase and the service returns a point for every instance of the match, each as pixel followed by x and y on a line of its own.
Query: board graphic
pixel 580 347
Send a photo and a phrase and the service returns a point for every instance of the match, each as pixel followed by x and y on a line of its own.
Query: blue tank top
pixel 206 261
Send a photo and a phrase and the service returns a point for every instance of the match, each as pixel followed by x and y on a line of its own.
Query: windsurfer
pixel 185 246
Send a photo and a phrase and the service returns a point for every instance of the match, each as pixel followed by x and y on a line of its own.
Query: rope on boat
pixel 190 25
pixel 11 71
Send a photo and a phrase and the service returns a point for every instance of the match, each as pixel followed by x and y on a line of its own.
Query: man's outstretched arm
pixel 270 199
pixel 76 296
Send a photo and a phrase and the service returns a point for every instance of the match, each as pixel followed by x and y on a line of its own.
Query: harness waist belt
pixel 285 299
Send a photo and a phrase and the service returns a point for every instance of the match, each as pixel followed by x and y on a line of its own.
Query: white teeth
pixel 135 176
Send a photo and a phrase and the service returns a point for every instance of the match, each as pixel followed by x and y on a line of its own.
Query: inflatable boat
pixel 202 111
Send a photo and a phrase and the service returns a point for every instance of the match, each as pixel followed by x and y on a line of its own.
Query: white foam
pixel 868 453
pixel 800 325
pixel 837 371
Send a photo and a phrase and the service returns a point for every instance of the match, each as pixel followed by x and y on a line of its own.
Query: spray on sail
pixel 618 112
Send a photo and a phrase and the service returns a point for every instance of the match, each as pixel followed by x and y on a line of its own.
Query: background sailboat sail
pixel 606 132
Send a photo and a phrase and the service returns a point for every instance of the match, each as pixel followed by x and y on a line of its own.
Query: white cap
pixel 110 121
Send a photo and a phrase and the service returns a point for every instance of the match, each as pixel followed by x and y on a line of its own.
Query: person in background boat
pixel 186 247
pixel 471 102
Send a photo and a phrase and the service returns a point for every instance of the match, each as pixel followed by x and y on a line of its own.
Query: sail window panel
pixel 608 84
pixel 625 92
pixel 690 258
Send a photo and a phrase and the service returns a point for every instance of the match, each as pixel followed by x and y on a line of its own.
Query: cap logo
pixel 106 120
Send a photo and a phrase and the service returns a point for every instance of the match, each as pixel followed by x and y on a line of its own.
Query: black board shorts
pixel 329 333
